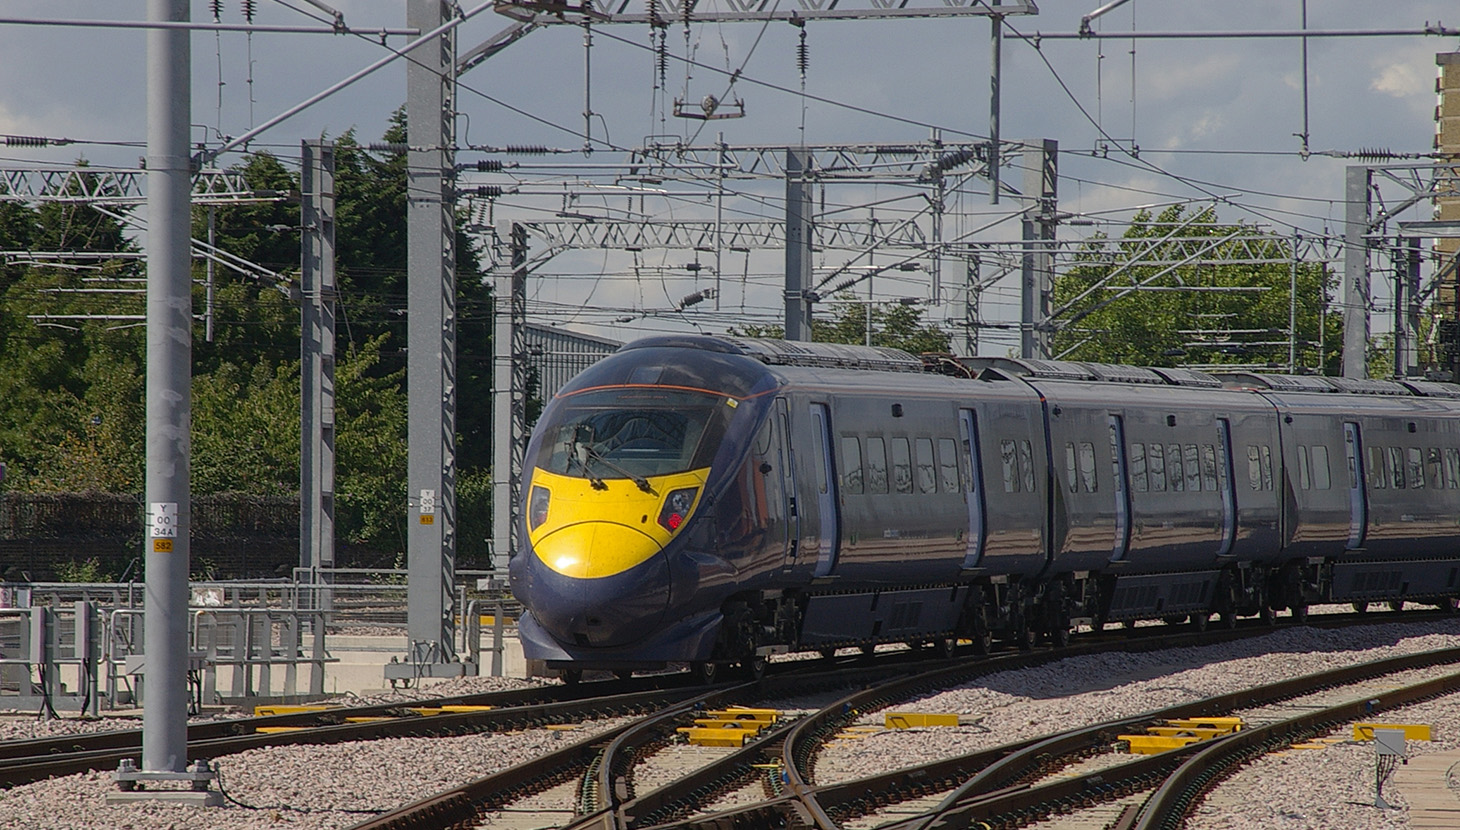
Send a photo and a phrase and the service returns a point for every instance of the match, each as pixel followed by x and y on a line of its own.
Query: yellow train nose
pixel 590 550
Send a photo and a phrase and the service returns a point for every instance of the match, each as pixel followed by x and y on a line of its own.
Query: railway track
pixel 781 757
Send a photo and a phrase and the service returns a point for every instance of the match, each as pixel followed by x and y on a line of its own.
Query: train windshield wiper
pixel 588 453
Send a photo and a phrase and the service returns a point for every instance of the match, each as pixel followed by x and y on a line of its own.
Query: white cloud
pixel 1400 80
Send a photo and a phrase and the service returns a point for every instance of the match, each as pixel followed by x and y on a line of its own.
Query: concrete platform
pixel 189 798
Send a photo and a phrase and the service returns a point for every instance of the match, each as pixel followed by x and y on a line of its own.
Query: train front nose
pixel 599 584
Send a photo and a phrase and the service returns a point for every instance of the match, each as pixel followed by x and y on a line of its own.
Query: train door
pixel 1227 486
pixel 1358 501
pixel 786 470
pixel 1121 474
pixel 826 496
pixel 972 463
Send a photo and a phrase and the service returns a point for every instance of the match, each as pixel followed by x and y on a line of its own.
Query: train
pixel 713 500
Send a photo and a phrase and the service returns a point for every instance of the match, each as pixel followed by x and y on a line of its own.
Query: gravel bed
pixel 1010 706
pixel 328 780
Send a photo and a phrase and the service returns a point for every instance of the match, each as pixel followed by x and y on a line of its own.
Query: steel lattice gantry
pixel 659 12
pixel 95 185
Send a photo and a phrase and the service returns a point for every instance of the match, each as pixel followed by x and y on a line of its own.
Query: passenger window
pixel 948 464
pixel 851 465
pixel 1452 468
pixel 1071 472
pixel 1305 479
pixel 1158 468
pixel 901 466
pixel 1026 466
pixel 1193 469
pixel 1322 477
pixel 1395 467
pixel 1088 479
pixel 1138 481
pixel 1254 467
pixel 1378 479
pixel 876 465
pixel 1437 479
pixel 1266 467
pixel 1209 467
pixel 1174 473
pixel 1011 468
pixel 927 469
pixel 1415 467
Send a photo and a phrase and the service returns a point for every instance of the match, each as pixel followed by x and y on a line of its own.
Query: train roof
pixel 1403 388
pixel 1106 372
pixel 791 352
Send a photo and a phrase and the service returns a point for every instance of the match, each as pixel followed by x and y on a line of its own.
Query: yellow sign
pixel 162 546
pixel 428 519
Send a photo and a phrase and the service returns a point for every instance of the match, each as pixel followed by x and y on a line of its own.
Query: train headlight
pixel 676 508
pixel 537 507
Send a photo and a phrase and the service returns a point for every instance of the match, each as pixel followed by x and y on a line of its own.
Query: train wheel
pixel 704 672
pixel 983 642
pixel 1267 615
pixel 1300 613
pixel 946 646
pixel 1396 605
pixel 1446 605
pixel 572 677
pixel 754 666
pixel 1061 636
pixel 827 653
pixel 1227 619
pixel 1024 637
pixel 1199 622
pixel 868 650
pixel 1361 608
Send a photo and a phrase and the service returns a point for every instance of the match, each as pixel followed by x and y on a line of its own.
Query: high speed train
pixel 713 500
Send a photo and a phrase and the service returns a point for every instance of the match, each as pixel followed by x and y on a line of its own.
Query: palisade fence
pixel 46 536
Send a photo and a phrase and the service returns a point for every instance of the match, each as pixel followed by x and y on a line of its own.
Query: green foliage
pixel 370 450
pixel 893 325
pixel 89 570
pixel 1119 311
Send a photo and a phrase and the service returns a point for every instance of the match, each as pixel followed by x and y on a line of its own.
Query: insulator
pixel 803 53
pixel 26 141
pixel 1375 154
pixel 387 147
pixel 216 7
pixel 488 191
pixel 249 7
pixel 489 166
pixel 661 55
pixel 526 149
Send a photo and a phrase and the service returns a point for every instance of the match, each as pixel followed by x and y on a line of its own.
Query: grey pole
pixel 1356 273
pixel 169 390
pixel 996 52
pixel 317 367
pixel 970 306
pixel 509 376
pixel 431 337
pixel 1041 178
pixel 798 245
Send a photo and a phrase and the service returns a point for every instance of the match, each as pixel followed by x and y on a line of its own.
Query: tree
pixel 1119 311
pixel 894 325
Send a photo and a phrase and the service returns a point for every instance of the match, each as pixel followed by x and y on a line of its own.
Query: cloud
pixel 1400 80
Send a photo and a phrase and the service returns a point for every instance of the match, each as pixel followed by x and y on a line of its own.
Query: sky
pixel 1211 116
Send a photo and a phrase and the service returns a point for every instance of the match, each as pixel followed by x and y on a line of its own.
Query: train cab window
pixel 1174 473
pixel 1088 480
pixel 1452 468
pixel 1433 466
pixel 948 464
pixel 1394 466
pixel 851 465
pixel 1254 467
pixel 1007 454
pixel 1322 476
pixel 1138 480
pixel 902 477
pixel 1266 467
pixel 876 465
pixel 1209 467
pixel 1191 458
pixel 1026 466
pixel 1378 479
pixel 927 475
pixel 1071 471
pixel 1305 476
pixel 1156 461
pixel 1414 466
pixel 627 432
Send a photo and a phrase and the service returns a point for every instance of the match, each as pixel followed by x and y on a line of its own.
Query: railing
pixel 43 647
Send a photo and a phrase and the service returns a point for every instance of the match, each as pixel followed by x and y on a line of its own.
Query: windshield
pixel 631 432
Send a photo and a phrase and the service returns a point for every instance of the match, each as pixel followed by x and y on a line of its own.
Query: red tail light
pixel 676 508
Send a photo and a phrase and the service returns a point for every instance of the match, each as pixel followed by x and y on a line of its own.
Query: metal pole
pixel 970 308
pixel 169 390
pixel 431 336
pixel 1037 278
pixel 317 367
pixel 212 242
pixel 1356 273
pixel 798 245
pixel 1293 308
pixel 996 52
